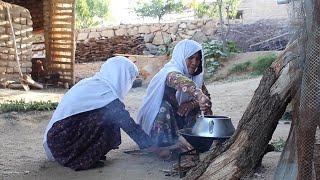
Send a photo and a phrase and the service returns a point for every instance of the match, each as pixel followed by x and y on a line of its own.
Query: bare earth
pixel 22 155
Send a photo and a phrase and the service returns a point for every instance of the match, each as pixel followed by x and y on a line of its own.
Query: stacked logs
pixel 101 49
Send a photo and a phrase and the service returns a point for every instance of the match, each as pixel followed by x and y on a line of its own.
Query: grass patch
pixel 262 63
pixel 256 67
pixel 278 144
pixel 21 105
pixel 240 68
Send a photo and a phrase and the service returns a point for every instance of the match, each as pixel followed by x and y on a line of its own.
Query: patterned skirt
pixel 79 141
pixel 168 122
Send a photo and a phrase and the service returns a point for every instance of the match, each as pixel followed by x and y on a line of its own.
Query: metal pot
pixel 201 144
pixel 213 126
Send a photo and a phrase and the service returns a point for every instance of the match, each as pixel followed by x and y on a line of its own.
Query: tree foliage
pixel 211 9
pixel 89 12
pixel 158 8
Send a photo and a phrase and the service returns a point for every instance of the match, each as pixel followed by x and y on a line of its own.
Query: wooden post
pixel 16 56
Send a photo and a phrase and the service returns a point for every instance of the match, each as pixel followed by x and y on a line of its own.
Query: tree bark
pixel 287 167
pixel 238 156
pixel 223 35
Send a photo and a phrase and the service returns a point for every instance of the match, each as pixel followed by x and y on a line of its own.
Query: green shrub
pixel 211 66
pixel 239 68
pixel 21 105
pixel 232 46
pixel 278 144
pixel 213 49
pixel 262 63
pixel 213 54
pixel 165 51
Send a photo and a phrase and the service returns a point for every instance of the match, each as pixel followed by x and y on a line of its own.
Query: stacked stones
pixel 22 24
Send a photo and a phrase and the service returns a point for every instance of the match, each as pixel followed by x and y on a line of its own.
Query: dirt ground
pixel 22 155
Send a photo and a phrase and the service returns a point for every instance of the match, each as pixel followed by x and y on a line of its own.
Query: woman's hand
pixel 185 108
pixel 207 109
pixel 204 101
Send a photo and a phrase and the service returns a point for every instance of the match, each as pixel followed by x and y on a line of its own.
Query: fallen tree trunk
pixel 238 156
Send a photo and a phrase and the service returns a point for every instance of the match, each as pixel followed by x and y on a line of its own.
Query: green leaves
pixel 206 9
pixel 158 8
pixel 21 105
pixel 213 49
pixel 278 144
pixel 211 9
pixel 88 12
pixel 213 53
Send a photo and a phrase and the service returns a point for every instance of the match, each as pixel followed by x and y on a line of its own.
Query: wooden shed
pixel 56 18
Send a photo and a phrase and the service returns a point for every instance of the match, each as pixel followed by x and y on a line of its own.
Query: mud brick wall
pixel 22 24
pixel 36 10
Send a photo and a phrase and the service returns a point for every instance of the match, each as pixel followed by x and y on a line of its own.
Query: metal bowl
pixel 213 126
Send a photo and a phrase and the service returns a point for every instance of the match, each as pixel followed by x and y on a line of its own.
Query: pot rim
pixel 183 132
pixel 215 117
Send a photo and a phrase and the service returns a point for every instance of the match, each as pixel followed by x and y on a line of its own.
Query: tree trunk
pixel 223 36
pixel 287 167
pixel 238 156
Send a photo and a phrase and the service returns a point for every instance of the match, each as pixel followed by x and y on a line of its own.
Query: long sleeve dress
pixel 79 141
pixel 167 121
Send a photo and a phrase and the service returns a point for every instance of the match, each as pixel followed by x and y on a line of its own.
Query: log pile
pixel 101 49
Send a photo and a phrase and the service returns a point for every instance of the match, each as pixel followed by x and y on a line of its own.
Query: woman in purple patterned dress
pixel 86 124
pixel 175 95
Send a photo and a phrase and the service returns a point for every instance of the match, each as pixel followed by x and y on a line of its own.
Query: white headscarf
pixel 151 104
pixel 113 81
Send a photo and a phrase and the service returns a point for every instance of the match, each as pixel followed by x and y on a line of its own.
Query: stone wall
pixel 22 24
pixel 156 36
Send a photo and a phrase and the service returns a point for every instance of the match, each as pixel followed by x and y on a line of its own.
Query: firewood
pixel 101 49
pixel 29 81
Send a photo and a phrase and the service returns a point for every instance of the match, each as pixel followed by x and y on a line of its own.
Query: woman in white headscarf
pixel 86 124
pixel 175 95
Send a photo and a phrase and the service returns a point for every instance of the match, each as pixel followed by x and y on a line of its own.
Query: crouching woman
pixel 86 124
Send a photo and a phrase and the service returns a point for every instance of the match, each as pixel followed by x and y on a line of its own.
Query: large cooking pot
pixel 213 126
pixel 199 143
